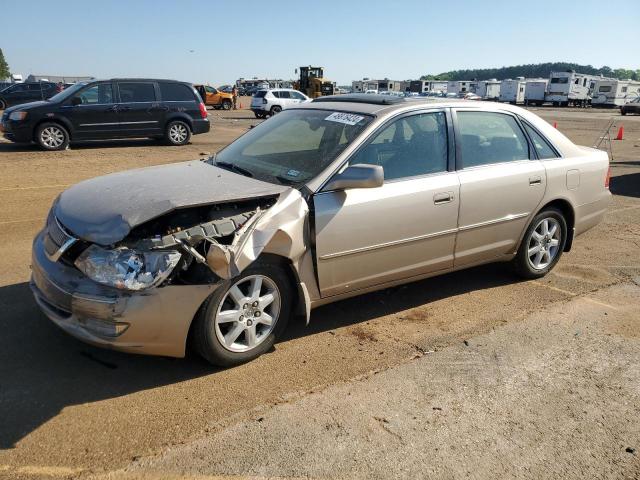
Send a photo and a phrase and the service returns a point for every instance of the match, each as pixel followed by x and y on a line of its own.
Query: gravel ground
pixel 68 410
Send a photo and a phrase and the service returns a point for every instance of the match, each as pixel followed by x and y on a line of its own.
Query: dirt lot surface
pixel 544 381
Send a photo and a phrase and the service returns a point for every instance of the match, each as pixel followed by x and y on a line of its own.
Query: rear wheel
pixel 2 105
pixel 52 136
pixel 226 105
pixel 242 319
pixel 178 133
pixel 542 245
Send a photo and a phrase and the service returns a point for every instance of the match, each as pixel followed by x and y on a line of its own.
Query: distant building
pixel 57 78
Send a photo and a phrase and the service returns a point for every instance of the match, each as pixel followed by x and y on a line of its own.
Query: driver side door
pixel 407 227
pixel 92 112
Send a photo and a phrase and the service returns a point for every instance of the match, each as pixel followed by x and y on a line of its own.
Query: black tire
pixel 204 335
pixel 177 133
pixel 622 112
pixel 522 263
pixel 226 105
pixel 2 105
pixel 275 110
pixel 52 136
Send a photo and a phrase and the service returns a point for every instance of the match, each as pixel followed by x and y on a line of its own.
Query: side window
pixel 296 95
pixel 137 92
pixel 410 146
pixel 284 94
pixel 276 94
pixel 543 149
pixel 175 92
pixel 488 137
pixel 95 94
pixel 210 89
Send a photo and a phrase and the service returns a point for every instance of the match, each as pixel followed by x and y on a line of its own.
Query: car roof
pixel 138 80
pixel 375 107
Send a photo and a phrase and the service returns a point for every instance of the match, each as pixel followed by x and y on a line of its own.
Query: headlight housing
pixel 126 268
pixel 19 116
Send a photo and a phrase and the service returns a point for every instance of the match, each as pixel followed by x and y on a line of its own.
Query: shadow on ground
pixel 44 370
pixel 626 185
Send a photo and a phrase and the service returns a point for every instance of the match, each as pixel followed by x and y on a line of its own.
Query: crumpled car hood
pixel 103 210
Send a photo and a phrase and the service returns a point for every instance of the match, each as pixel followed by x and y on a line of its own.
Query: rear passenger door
pixel 501 184
pixel 139 109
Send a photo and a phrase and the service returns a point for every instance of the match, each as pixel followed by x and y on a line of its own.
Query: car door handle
pixel 535 181
pixel 443 197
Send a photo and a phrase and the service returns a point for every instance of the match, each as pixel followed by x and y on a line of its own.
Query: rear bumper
pixel 157 320
pixel 591 214
pixel 201 126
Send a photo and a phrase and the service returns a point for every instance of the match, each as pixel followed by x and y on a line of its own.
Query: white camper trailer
pixel 570 88
pixel 615 93
pixel 488 89
pixel 535 90
pixel 428 86
pixel 461 86
pixel 512 91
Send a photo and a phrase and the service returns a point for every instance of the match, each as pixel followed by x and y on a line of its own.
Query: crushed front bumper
pixel 152 322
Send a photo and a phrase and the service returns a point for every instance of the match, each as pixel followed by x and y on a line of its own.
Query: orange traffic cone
pixel 555 124
pixel 620 133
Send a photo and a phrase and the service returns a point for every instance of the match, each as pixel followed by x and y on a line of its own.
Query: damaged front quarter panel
pixel 279 230
pixel 228 245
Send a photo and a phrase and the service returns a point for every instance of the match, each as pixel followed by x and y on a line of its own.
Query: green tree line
pixel 534 70
pixel 4 67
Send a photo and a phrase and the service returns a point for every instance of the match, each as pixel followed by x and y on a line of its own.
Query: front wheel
pixel 226 105
pixel 242 319
pixel 2 105
pixel 542 245
pixel 178 133
pixel 275 110
pixel 52 136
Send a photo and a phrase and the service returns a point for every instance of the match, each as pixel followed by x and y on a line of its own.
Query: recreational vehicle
pixel 461 86
pixel 428 86
pixel 615 93
pixel 512 91
pixel 571 88
pixel 535 90
pixel 488 89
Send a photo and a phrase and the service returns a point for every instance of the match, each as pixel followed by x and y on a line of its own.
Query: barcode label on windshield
pixel 348 118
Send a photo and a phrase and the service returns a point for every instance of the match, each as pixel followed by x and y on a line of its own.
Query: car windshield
pixel 294 146
pixel 66 93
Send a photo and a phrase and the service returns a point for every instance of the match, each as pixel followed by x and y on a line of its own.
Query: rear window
pixel 261 94
pixel 176 92
pixel 137 92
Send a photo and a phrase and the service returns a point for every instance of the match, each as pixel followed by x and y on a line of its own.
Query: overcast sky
pixel 218 42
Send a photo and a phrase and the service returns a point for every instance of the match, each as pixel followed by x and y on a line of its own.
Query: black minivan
pixel 106 109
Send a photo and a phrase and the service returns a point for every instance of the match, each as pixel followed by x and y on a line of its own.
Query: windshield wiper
pixel 285 180
pixel 234 168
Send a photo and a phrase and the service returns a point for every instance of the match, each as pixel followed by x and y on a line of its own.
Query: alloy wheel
pixel 52 137
pixel 247 313
pixel 544 243
pixel 178 133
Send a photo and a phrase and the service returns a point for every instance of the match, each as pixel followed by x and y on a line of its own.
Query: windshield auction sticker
pixel 348 118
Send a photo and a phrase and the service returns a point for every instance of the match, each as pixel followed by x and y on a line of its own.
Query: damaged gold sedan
pixel 332 199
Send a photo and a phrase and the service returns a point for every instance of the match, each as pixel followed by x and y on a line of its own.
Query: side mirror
pixel 76 101
pixel 357 176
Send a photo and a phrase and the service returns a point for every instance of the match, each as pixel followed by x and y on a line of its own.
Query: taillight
pixel 203 110
pixel 606 180
pixel 264 100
